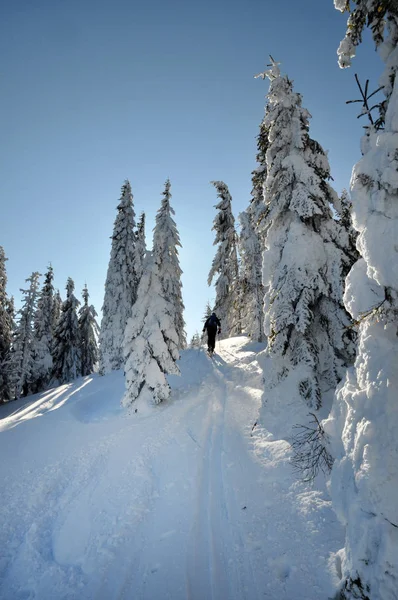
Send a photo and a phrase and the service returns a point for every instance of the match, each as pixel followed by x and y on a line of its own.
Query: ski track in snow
pixel 180 503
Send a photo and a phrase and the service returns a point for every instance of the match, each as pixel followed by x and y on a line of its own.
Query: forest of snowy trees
pixel 46 342
pixel 311 274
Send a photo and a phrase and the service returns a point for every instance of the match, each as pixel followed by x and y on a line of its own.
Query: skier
pixel 211 326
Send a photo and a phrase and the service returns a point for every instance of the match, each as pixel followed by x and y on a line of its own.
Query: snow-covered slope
pixel 177 502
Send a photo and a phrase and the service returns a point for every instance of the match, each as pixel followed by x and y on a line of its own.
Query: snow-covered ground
pixel 180 501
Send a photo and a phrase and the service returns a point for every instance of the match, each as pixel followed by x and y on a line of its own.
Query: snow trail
pixel 178 502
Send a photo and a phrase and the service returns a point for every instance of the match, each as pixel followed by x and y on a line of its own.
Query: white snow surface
pixel 178 501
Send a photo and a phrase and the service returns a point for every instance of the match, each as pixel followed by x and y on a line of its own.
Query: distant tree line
pixel 48 341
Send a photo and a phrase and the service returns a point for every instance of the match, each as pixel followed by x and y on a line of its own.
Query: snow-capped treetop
pixel 272 73
pixel 166 238
pixel 166 241
pixel 225 264
pixel 293 157
pixel 224 226
pixel 70 287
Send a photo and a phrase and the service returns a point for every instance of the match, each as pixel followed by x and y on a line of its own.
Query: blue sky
pixel 96 92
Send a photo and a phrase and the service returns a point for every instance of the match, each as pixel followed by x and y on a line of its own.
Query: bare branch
pixel 364 100
pixel 310 450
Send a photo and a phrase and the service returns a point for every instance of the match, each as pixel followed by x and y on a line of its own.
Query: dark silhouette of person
pixel 211 326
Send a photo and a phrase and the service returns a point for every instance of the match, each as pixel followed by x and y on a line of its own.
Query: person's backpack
pixel 212 321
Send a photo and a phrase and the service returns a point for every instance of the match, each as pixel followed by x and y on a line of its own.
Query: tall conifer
pixel 22 360
pixel 250 276
pixel 120 286
pixel 66 351
pixel 306 324
pixel 225 265
pixel 166 241
pixel 140 247
pixel 44 332
pixel 6 330
pixel 88 334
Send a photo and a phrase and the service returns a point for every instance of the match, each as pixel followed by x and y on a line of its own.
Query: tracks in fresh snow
pixel 214 564
pixel 206 568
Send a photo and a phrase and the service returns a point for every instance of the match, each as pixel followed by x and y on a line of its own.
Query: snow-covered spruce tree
pixel 44 332
pixel 257 208
pixel 225 265
pixel 120 286
pixel 345 221
pixel 251 245
pixel 22 359
pixel 166 240
pixel 364 420
pixel 6 330
pixel 66 351
pixel 88 335
pixel 57 308
pixel 150 340
pixel 207 313
pixel 252 289
pixel 140 247
pixel 195 341
pixel 305 321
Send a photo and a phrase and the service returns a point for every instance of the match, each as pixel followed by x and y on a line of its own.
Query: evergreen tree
pixel 140 246
pixel 44 332
pixel 166 241
pixel 88 334
pixel 6 330
pixel 208 312
pixel 151 340
pixel 22 359
pixel 11 312
pixel 364 420
pixel 252 290
pixel 66 351
pixel 251 245
pixel 57 309
pixel 225 265
pixel 305 321
pixel 195 341
pixel 257 208
pixel 351 234
pixel 120 286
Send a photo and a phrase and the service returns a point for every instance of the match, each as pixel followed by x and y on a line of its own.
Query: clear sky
pixel 94 92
